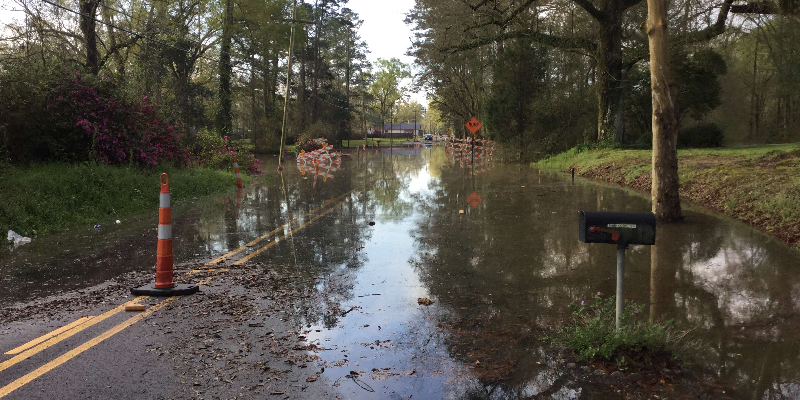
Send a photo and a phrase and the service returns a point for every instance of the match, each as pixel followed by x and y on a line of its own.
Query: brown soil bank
pixel 759 185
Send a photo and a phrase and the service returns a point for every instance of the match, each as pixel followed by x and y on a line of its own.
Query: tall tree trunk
pixel 303 93
pixel 666 199
pixel 778 111
pixel 317 64
pixel 224 114
pixel 88 25
pixel 754 97
pixel 347 73
pixel 112 39
pixel 273 85
pixel 609 71
pixel 268 71
pixel 619 113
pixel 253 104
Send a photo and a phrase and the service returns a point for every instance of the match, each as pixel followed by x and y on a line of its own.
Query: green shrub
pixel 592 334
pixel 268 136
pixel 318 130
pixel 214 151
pixel 701 136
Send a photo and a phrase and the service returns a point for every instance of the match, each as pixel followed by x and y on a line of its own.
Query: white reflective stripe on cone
pixel 164 200
pixel 235 165
pixel 238 175
pixel 165 231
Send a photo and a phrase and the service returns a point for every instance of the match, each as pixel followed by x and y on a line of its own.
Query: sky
pixel 7 13
pixel 384 30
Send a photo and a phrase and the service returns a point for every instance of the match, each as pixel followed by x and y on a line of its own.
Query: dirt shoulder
pixel 757 185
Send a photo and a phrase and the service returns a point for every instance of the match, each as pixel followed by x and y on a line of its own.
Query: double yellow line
pixel 278 229
pixel 46 341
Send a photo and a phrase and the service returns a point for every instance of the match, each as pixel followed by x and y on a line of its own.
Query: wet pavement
pixel 339 297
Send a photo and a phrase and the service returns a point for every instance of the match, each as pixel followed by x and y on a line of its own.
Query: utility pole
pixel 288 82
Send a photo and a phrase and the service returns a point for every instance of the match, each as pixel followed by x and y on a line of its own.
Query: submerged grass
pixel 51 197
pixel 759 185
pixel 591 333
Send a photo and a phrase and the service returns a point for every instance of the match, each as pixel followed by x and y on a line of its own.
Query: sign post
pixel 622 229
pixel 473 125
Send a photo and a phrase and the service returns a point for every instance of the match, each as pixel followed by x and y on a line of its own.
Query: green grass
pixel 371 141
pixel 591 333
pixel 51 197
pixel 591 158
pixel 756 184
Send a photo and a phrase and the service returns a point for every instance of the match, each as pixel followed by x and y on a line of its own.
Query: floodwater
pixel 499 275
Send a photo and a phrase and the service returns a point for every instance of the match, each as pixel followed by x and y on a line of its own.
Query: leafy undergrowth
pixel 51 197
pixel 759 185
pixel 639 343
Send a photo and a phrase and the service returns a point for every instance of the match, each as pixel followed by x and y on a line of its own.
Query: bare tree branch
pixel 539 37
pixel 591 9
pixel 761 7
pixel 708 33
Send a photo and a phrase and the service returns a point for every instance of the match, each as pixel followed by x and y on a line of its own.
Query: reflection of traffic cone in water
pixel 238 202
pixel 236 170
pixel 164 285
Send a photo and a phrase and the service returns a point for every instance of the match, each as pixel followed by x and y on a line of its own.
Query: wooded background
pixel 543 76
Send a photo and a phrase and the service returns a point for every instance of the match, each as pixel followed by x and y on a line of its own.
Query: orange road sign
pixel 474 199
pixel 473 125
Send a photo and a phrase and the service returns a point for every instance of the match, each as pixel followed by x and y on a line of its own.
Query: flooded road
pixel 500 275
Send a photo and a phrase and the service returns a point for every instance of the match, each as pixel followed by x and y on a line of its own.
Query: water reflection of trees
pixel 742 289
pixel 329 252
pixel 510 266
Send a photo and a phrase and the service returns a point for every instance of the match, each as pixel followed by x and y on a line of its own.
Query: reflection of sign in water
pixel 319 162
pixel 473 125
pixel 474 200
pixel 460 150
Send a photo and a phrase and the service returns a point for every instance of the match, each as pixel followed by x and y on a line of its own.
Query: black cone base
pixel 178 290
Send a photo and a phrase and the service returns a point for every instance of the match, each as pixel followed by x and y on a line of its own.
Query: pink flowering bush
pixel 112 129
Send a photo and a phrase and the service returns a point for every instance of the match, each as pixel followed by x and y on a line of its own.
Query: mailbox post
pixel 622 229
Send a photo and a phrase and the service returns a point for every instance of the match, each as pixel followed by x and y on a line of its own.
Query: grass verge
pixel 759 185
pixel 51 197
pixel 373 142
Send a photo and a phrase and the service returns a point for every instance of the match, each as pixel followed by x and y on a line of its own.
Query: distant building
pixel 403 130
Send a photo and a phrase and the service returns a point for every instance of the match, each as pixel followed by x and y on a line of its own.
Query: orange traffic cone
pixel 164 285
pixel 238 175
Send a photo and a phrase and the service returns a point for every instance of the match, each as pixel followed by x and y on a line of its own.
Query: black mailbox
pixel 618 228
